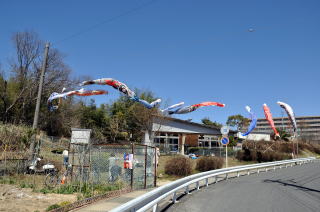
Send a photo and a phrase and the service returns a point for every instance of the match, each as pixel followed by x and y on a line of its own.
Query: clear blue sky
pixel 190 50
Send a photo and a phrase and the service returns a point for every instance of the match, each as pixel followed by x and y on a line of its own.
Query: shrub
pixel 260 156
pixel 179 165
pixel 273 156
pixel 316 149
pixel 246 155
pixel 208 163
pixel 311 147
pixel 64 203
pixel 286 147
pixel 54 206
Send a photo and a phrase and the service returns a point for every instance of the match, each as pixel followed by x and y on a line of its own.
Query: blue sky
pixel 188 50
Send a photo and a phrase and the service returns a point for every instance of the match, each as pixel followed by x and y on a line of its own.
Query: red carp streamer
pixel 268 115
pixel 87 92
pixel 209 104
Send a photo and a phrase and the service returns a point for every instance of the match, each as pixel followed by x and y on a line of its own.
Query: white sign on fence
pixel 80 136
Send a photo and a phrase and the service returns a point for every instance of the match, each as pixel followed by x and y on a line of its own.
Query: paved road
pixel 295 189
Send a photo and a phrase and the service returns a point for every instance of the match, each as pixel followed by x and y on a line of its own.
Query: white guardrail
pixel 151 200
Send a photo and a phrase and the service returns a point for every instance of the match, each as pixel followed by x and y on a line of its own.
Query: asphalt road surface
pixel 295 189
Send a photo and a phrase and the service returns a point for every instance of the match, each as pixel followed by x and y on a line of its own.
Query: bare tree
pixel 21 91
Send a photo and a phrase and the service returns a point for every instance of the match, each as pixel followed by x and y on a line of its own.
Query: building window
pixel 173 144
pixel 157 140
pixel 167 142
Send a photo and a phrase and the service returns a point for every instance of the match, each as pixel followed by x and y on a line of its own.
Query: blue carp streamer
pixel 253 123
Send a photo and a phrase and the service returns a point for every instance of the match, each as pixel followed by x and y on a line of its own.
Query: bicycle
pixel 53 178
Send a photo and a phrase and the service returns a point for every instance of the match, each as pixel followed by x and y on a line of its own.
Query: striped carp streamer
pixel 172 107
pixel 188 109
pixel 268 115
pixel 253 122
pixel 123 88
pixel 147 104
pixel 81 92
pixel 290 114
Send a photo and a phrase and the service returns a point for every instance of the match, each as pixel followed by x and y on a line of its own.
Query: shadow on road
pixel 291 184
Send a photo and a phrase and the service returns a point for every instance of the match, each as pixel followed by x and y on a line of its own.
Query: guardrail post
pixel 207 182
pixel 266 169
pixel 248 172
pixel 258 171
pixel 187 190
pixel 227 176
pixel 291 164
pixel 174 197
pixel 274 168
pixel 155 208
pixel 198 186
pixel 238 174
pixel 215 179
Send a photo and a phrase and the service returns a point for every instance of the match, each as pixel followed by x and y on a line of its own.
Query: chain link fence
pixel 105 164
pixel 214 151
pixel 95 169
pixel 16 168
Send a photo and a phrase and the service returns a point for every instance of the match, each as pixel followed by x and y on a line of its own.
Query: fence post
pixel 132 150
pixel 155 167
pixel 72 163
pixel 145 167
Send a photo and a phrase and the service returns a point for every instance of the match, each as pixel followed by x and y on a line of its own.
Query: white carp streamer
pixel 290 114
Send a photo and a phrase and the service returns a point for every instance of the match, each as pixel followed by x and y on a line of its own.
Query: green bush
pixel 64 203
pixel 179 165
pixel 54 206
pixel 208 163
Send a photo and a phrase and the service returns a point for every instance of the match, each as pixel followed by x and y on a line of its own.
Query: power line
pixel 128 12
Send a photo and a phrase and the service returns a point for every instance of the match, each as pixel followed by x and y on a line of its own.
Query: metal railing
pixel 152 199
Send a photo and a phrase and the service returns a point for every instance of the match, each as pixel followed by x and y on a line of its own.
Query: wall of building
pixel 308 126
pixel 167 133
pixel 192 140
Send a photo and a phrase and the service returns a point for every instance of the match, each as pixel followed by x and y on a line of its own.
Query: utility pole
pixel 36 113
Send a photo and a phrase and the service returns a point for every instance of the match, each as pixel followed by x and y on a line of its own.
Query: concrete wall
pixel 255 137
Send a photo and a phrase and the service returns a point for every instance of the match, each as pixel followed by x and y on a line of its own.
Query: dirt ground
pixel 13 198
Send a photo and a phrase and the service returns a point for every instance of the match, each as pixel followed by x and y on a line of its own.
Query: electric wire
pixel 128 12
